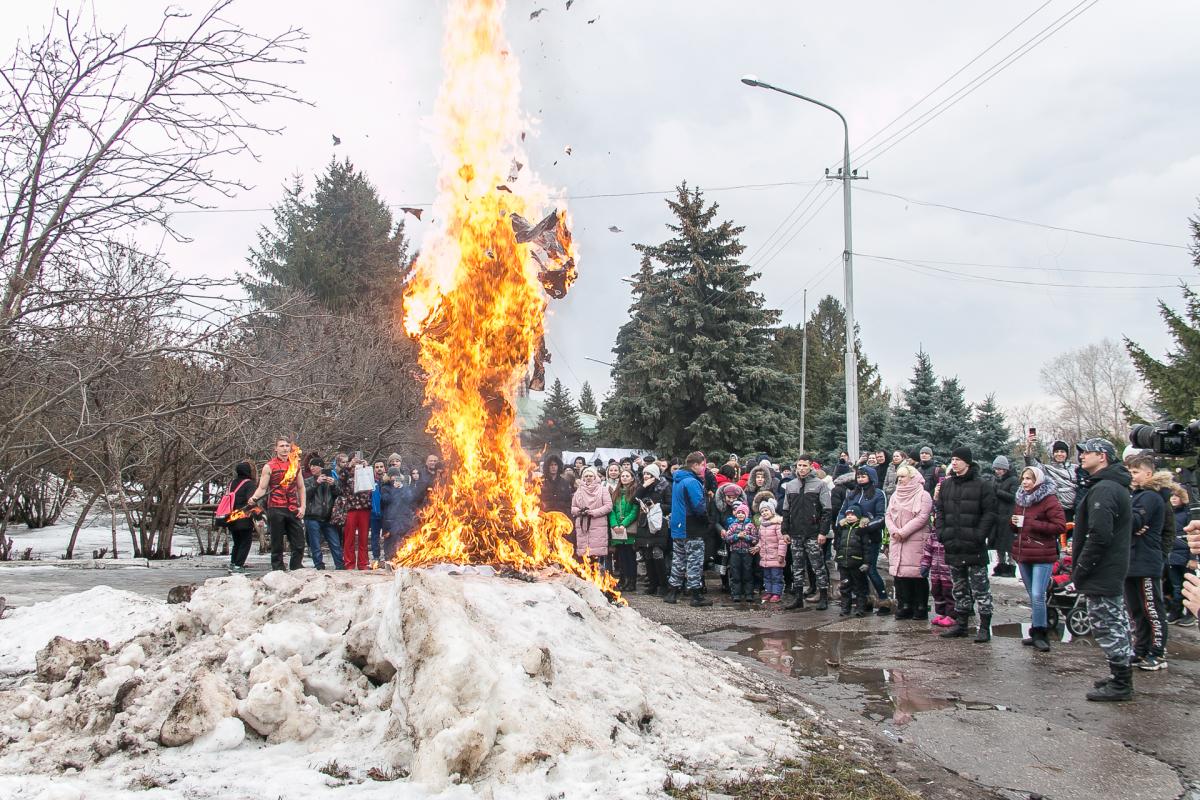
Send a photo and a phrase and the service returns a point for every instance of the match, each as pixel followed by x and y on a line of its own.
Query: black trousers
pixel 912 593
pixel 242 540
pixel 656 566
pixel 281 524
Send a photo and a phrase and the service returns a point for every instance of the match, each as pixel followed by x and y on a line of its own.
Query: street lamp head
pixel 750 80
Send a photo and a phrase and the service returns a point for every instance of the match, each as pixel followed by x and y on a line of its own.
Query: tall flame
pixel 477 305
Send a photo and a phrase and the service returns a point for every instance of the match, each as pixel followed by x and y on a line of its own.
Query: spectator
pixel 241 522
pixel 870 501
pixel 432 469
pixel 772 551
pixel 689 526
pixel 889 480
pixel 929 469
pixel 741 537
pixel 578 465
pixel 556 489
pixel 612 475
pixel 376 521
pixel 908 524
pixel 934 567
pixel 1181 560
pixel 395 461
pixel 1060 472
pixel 1143 579
pixel 843 466
pixel 966 519
pixel 1100 559
pixel 1006 495
pixel 590 507
pixel 622 527
pixel 399 502
pixel 852 553
pixel 322 491
pixel 653 544
pixel 285 506
pixel 807 514
pixel 355 534
pixel 1037 521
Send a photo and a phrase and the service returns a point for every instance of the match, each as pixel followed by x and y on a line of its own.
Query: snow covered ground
pixel 300 684
pixel 50 542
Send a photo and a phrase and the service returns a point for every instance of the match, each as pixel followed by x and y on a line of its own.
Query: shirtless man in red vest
pixel 285 505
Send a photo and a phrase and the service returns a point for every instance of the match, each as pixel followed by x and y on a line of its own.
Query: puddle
pixel 827 656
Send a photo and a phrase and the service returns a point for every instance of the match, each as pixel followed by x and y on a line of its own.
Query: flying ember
pixel 477 303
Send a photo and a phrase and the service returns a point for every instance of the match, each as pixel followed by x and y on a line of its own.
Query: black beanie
pixel 963 453
pixel 1059 445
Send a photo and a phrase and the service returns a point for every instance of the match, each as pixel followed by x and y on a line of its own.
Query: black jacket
pixel 1145 548
pixel 245 476
pixel 1103 528
pixel 851 550
pixel 556 494
pixel 318 498
pixel 807 508
pixel 930 471
pixel 658 492
pixel 966 518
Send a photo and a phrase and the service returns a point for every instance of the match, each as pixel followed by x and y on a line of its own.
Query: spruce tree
pixel 992 436
pixel 1174 382
pixel 558 426
pixel 587 400
pixel 914 425
pixel 694 364
pixel 339 245
pixel 952 424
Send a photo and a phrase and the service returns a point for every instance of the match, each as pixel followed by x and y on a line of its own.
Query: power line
pixel 778 227
pixel 1041 268
pixel 1019 221
pixel 984 77
pixel 964 276
pixel 828 198
pixel 563 355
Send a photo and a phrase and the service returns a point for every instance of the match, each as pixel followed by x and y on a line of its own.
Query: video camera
pixel 1172 439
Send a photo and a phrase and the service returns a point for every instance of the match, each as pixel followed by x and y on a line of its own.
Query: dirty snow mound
pixel 100 613
pixel 454 685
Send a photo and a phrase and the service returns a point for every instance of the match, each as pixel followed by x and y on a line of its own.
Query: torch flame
pixel 293 467
pixel 477 305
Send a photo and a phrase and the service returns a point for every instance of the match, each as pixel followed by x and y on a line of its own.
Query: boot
pixel 699 600
pixel 823 600
pixel 921 613
pixel 904 612
pixel 797 601
pixel 672 595
pixel 1040 643
pixel 884 606
pixel 984 634
pixel 958 631
pixel 1118 688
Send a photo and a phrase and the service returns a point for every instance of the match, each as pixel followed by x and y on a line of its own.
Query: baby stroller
pixel 1062 601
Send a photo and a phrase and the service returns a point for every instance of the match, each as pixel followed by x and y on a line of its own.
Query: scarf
pixel 908 494
pixel 590 498
pixel 1040 492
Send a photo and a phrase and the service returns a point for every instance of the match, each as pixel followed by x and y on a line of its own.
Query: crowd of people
pixel 1110 529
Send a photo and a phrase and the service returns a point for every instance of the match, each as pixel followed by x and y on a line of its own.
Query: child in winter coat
pixel 741 537
pixel 934 567
pixel 1180 560
pixel 772 546
pixel 852 549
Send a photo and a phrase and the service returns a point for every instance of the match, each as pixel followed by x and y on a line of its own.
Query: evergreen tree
pixel 587 400
pixel 952 425
pixel 694 364
pixel 992 436
pixel 913 426
pixel 558 426
pixel 1174 383
pixel 339 245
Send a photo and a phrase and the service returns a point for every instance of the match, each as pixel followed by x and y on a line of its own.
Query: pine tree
pixel 694 364
pixel 952 425
pixel 587 400
pixel 558 426
pixel 339 245
pixel 914 425
pixel 992 436
pixel 1174 383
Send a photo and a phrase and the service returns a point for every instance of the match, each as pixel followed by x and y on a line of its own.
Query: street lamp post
pixel 847 268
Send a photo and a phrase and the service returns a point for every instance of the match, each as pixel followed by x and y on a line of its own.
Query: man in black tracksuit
pixel 1100 559
pixel 807 510
pixel 966 521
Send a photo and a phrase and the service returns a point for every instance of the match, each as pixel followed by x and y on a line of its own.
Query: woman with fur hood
pixel 1037 521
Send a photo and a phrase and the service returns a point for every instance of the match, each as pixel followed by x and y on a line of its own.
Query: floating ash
pixel 477 304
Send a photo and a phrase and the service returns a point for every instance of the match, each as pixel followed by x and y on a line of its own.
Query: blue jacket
pixel 873 508
pixel 1180 554
pixel 399 505
pixel 1145 550
pixel 689 509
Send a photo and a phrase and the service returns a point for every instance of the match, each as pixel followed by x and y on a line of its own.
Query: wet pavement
pixel 946 715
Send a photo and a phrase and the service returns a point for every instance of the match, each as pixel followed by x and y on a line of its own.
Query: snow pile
pixel 459 685
pixel 100 613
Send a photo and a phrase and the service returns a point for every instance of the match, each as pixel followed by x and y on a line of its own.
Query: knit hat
pixel 855 509
pixel 395 472
pixel 915 455
pixel 731 490
pixel 964 454
pixel 926 449
pixel 742 507
pixel 652 469
pixel 395 457
pixel 1058 445
pixel 316 461
pixel 771 504
pixel 1001 462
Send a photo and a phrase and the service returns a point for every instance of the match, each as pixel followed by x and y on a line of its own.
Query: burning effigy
pixel 477 305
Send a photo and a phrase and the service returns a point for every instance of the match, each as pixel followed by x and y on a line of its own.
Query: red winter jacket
pixel 1036 542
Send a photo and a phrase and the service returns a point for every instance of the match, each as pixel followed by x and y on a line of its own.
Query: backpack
pixel 226 505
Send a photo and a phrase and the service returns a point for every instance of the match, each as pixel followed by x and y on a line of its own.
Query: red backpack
pixel 225 506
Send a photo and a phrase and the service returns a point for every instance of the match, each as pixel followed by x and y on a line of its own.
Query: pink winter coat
pixel 590 510
pixel 908 526
pixel 772 546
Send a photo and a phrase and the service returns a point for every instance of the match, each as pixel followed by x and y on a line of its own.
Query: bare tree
pixel 101 131
pixel 1091 388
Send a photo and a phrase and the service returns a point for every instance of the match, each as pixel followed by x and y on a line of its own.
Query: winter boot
pixel 672 595
pixel 797 601
pixel 1117 688
pixel 984 634
pixel 921 613
pixel 904 611
pixel 823 600
pixel 883 607
pixel 699 600
pixel 959 629
pixel 1040 642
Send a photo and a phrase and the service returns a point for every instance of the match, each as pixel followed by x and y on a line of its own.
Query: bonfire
pixel 477 305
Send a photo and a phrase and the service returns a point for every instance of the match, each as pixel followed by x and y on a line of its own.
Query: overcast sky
pixel 1094 129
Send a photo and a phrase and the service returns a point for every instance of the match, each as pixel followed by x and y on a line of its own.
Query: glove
pixel 924 572
pixel 863 568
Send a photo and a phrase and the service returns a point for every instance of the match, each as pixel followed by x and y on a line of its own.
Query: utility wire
pixel 782 247
pixel 1042 268
pixel 766 242
pixel 965 276
pixel 1019 221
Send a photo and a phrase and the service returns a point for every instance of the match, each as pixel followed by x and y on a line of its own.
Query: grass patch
pixel 821 777
pixel 335 770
